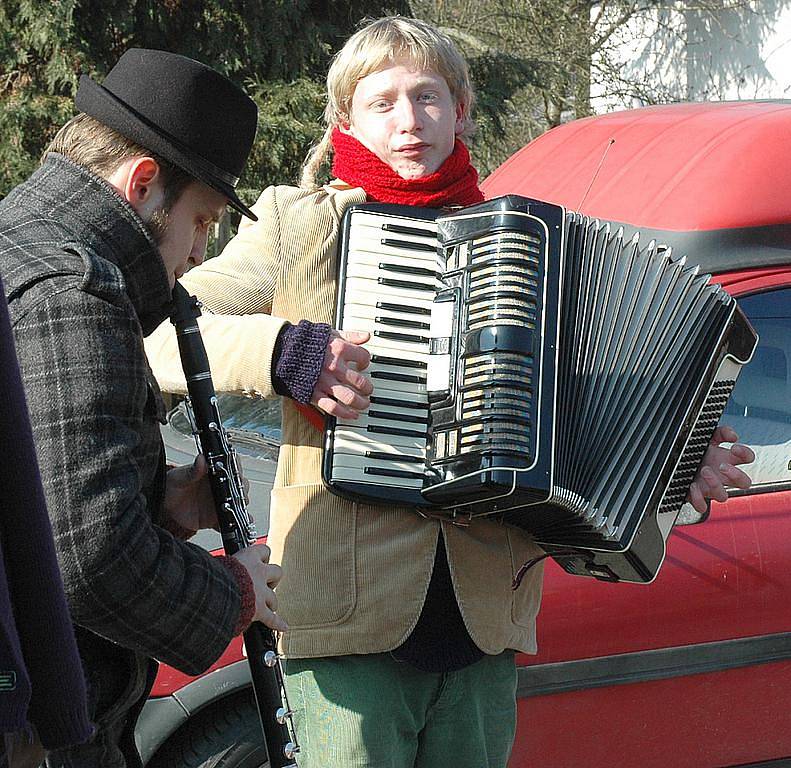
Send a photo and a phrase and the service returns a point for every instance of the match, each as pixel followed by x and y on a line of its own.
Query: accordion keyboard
pixel 392 275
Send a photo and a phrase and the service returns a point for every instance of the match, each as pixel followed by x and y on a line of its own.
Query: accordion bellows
pixel 530 363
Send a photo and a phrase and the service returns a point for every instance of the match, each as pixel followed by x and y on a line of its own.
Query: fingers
pixel 697 499
pixel 739 453
pixel 724 434
pixel 742 453
pixel 734 476
pixel 711 484
pixel 265 577
pixel 339 401
pixel 274 573
pixel 353 353
pixel 267 615
pixel 344 361
pixel 260 551
pixel 341 390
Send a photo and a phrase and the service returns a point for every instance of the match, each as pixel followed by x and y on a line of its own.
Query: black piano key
pixel 408 245
pixel 381 471
pixel 382 456
pixel 384 360
pixel 378 400
pixel 402 229
pixel 395 336
pixel 393 283
pixel 391 376
pixel 405 417
pixel 421 326
pixel 390 307
pixel 395 431
pixel 409 269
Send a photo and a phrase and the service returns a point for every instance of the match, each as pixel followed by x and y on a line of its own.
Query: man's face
pixel 407 118
pixel 182 242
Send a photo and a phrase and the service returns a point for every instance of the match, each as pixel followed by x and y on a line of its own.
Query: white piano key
pixel 397 440
pixel 374 272
pixel 362 462
pixel 354 475
pixel 370 256
pixel 363 289
pixel 373 441
pixel 367 315
pixel 358 443
pixel 365 420
pixel 393 348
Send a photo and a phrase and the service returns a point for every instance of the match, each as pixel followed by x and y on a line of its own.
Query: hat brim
pixel 96 101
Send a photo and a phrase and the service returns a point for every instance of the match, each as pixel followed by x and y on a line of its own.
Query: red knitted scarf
pixel 454 183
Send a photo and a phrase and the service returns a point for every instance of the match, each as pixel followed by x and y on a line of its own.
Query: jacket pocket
pixel 312 535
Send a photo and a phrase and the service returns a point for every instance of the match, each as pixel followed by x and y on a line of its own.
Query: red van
pixel 693 670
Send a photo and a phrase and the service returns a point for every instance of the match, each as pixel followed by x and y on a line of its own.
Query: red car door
pixel 694 670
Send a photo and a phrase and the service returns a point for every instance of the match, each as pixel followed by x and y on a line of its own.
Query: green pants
pixel 375 712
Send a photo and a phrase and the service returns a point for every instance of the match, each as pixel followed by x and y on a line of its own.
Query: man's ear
pixel 142 182
pixel 461 118
pixel 138 181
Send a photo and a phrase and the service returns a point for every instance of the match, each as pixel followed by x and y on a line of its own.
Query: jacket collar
pixel 92 213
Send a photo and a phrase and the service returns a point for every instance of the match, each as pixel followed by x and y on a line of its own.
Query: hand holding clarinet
pixel 189 504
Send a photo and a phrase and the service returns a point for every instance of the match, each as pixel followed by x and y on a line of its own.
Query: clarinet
pixel 236 525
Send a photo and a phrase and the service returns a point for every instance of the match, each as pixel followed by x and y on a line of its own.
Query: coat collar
pixel 90 212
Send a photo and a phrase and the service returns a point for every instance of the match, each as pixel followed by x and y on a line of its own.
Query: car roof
pixel 712 179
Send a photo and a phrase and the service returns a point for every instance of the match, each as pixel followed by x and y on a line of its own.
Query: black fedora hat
pixel 181 110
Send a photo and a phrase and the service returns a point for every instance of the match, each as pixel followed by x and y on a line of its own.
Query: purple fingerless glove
pixel 299 356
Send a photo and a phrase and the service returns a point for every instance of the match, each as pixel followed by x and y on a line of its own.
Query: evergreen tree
pixel 278 50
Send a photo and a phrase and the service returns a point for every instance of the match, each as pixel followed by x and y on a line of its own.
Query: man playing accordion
pixel 402 628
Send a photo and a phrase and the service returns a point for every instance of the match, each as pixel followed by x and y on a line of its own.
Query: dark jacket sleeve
pixel 58 706
pixel 125 578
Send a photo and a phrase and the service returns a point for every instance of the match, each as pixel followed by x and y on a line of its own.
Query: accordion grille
pixel 696 446
pixel 504 282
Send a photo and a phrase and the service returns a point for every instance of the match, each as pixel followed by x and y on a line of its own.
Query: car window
pixel 760 405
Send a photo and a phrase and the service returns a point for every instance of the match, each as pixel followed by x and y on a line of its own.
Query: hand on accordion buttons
pixel 341 390
pixel 719 469
pixel 265 577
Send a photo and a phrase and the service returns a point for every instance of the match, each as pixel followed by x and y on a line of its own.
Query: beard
pixel 157 224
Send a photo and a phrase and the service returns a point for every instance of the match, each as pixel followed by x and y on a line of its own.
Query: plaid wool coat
pixel 85 282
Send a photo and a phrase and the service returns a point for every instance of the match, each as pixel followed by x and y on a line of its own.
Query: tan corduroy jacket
pixel 355 575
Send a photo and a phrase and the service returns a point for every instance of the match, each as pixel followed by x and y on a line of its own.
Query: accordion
pixel 532 364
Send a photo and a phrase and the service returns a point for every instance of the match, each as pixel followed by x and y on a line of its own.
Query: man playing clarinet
pixel 402 628
pixel 90 248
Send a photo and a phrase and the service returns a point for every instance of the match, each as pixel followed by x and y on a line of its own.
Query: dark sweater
pixel 41 678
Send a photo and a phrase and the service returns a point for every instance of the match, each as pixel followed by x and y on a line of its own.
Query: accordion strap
pixel 312 415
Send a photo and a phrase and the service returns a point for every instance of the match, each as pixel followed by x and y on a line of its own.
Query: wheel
pixel 227 735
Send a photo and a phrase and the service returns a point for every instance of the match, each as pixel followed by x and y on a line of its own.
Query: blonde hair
pixel 375 46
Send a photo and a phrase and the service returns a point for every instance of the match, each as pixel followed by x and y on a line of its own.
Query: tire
pixel 227 735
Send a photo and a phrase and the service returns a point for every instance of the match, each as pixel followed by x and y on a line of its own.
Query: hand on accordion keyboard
pixel 719 469
pixel 341 389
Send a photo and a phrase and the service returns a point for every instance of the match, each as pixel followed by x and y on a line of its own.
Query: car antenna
pixel 596 172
